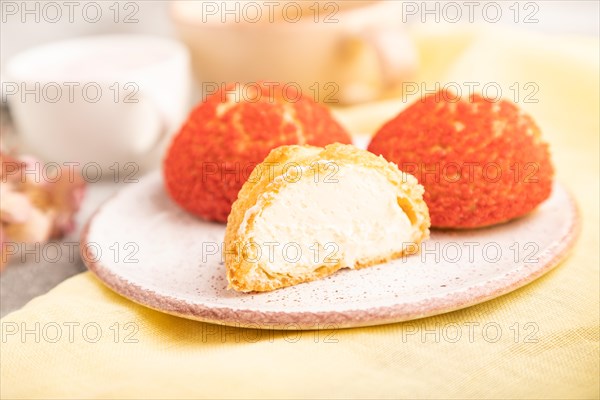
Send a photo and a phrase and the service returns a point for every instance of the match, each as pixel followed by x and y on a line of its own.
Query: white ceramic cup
pixel 110 100
pixel 351 51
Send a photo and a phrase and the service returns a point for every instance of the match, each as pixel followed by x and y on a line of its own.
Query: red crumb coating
pixel 227 135
pixel 481 162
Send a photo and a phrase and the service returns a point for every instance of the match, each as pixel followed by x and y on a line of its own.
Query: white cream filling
pixel 352 216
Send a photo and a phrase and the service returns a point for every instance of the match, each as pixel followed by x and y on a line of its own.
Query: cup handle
pixel 396 53
pixel 162 130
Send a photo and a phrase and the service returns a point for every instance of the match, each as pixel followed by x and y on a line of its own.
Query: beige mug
pixel 335 51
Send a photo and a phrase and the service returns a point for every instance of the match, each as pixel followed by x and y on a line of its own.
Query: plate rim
pixel 308 320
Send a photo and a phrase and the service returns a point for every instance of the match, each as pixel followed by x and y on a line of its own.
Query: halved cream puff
pixel 306 212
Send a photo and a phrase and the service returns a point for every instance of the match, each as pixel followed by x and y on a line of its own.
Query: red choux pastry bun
pixel 232 131
pixel 482 162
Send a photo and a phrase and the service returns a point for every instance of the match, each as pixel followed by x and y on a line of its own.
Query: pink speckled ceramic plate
pixel 147 249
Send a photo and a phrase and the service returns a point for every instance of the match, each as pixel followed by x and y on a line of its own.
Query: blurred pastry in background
pixel 231 132
pixel 338 52
pixel 482 162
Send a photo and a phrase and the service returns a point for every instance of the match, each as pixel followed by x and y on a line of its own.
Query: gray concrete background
pixel 28 277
